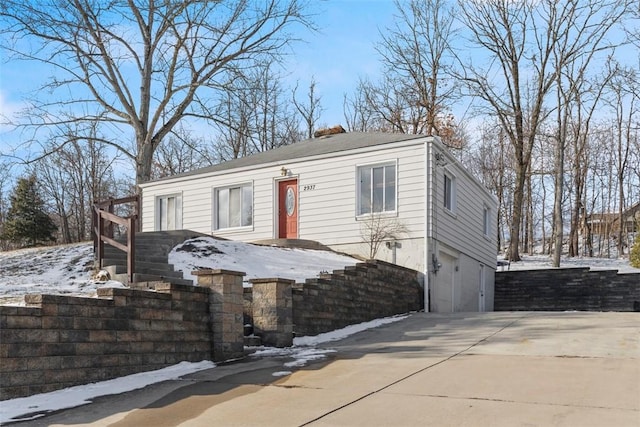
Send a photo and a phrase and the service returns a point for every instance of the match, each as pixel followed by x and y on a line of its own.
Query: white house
pixel 331 189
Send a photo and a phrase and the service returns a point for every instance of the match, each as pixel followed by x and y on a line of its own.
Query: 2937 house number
pixel 308 187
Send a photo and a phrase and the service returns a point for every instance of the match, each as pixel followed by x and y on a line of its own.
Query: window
pixel 234 207
pixel 377 189
pixel 169 212
pixel 486 221
pixel 449 192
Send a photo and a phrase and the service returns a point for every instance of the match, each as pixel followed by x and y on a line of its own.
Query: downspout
pixel 427 222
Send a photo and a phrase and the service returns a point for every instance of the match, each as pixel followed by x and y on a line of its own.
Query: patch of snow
pixel 254 260
pixel 537 262
pixel 36 406
pixel 344 332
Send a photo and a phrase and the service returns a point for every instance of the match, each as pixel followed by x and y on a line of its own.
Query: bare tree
pixel 416 55
pixel 528 44
pixel 254 114
pixel 5 181
pixel 142 67
pixel 415 95
pixel 625 99
pixel 182 152
pixel 72 178
pixel 377 228
pixel 310 109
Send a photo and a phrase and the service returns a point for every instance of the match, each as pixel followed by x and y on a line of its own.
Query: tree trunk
pixel 144 163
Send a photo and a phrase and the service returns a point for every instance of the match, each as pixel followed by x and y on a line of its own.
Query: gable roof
pixel 306 148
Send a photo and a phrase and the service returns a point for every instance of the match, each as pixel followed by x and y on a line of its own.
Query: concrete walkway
pixel 471 369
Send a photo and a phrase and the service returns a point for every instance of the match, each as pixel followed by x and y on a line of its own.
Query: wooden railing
pixel 103 220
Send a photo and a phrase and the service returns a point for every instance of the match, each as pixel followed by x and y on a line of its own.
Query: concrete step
pixel 122 259
pixel 122 262
pixel 137 278
pixel 156 271
pixel 252 341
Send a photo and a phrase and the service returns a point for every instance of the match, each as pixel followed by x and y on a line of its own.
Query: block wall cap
pixel 205 272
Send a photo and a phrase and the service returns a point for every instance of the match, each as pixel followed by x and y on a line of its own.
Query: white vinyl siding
pixel 168 212
pixel 469 200
pixel 327 207
pixel 233 207
pixel 376 188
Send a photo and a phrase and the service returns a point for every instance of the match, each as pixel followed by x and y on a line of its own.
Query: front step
pixel 142 277
pixel 141 266
pixel 160 271
pixel 252 341
pixel 152 257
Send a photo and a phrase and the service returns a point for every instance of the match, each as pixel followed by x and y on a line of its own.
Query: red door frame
pixel 288 209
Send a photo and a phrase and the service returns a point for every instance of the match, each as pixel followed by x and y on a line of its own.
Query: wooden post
pixel 131 248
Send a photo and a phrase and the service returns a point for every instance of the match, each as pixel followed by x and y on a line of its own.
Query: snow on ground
pixel 64 269
pixel 68 269
pixel 32 407
pixel 537 262
pixel 254 260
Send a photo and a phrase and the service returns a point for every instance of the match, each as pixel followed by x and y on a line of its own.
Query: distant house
pixel 606 224
pixel 335 188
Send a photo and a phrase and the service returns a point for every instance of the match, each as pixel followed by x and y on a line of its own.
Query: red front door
pixel 288 209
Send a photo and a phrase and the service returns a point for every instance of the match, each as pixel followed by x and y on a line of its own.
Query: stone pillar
pixel 272 311
pixel 225 310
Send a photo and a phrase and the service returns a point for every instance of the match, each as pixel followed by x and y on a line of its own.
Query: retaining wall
pixel 356 294
pixel 61 341
pixel 563 289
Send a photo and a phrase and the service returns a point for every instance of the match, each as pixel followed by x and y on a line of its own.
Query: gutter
pixel 427 223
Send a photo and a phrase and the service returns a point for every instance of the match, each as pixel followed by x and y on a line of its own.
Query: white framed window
pixel 377 188
pixel 169 212
pixel 449 192
pixel 233 206
pixel 486 221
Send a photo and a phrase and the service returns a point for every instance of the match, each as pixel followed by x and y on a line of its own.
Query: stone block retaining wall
pixel 61 341
pixel 563 289
pixel 366 291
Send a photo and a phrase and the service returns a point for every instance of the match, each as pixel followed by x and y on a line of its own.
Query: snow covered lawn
pixel 537 262
pixel 67 269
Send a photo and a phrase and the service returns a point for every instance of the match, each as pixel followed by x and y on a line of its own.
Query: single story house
pixel 405 194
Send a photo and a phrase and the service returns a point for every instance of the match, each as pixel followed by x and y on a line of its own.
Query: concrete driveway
pixel 466 369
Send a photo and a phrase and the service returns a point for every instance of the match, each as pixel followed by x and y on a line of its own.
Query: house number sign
pixel 290 201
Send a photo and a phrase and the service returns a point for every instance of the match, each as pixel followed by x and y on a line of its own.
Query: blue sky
pixel 336 56
pixel 342 51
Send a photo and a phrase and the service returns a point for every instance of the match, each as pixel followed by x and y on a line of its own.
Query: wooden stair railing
pixel 103 220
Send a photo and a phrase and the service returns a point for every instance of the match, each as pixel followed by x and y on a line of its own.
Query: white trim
pixel 486 221
pixel 447 174
pixel 427 222
pixel 214 207
pixel 177 211
pixel 276 205
pixel 372 165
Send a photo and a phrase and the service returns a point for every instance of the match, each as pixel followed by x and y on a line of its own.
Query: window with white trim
pixel 233 206
pixel 486 221
pixel 169 212
pixel 377 188
pixel 449 192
